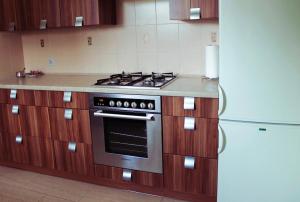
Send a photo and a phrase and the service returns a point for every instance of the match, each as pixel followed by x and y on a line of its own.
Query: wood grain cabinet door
pixel 200 180
pixel 3 148
pixel 41 152
pixel 76 99
pixel 18 149
pixel 203 107
pixel 201 141
pixel 34 11
pixel 74 128
pixel 76 159
pixel 4 96
pixel 13 117
pixel 10 15
pixel 137 177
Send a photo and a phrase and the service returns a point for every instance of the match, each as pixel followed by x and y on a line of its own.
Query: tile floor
pixel 22 186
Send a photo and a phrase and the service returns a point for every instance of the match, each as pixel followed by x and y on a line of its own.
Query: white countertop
pixel 194 86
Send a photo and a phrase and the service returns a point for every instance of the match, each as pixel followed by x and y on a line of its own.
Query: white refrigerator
pixel 259 157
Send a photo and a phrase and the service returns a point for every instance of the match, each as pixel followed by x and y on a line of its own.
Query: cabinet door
pixel 77 160
pixel 201 142
pixel 260 162
pixel 36 10
pixel 76 99
pixel 10 14
pixel 137 177
pixel 18 150
pixel 3 148
pixel 200 180
pixel 36 121
pixel 88 9
pixel 41 152
pixel 76 129
pixel 13 118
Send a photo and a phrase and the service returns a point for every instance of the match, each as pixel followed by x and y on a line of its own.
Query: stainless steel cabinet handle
pixel 148 117
pixel 15 109
pixel 189 103
pixel 43 24
pixel 13 94
pixel 189 123
pixel 222 100
pixel 11 27
pixel 189 162
pixel 127 175
pixel 68 114
pixel 79 21
pixel 195 14
pixel 19 139
pixel 222 140
pixel 67 96
pixel 72 146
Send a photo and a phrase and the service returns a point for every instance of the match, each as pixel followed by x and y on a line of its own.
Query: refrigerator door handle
pixel 222 100
pixel 221 140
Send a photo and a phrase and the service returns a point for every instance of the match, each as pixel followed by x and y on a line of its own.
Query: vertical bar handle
pixel 43 24
pixel 68 114
pixel 15 109
pixel 189 162
pixel 72 146
pixel 195 14
pixel 11 27
pixel 127 175
pixel 79 21
pixel 19 139
pixel 189 123
pixel 221 140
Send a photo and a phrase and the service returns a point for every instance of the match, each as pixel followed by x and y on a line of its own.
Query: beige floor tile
pixel 165 199
pixel 54 199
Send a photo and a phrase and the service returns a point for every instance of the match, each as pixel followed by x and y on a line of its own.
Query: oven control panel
pixel 124 103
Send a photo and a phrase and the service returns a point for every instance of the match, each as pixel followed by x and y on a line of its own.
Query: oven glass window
pixel 125 136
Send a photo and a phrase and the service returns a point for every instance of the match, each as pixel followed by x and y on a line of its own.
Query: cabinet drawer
pixel 200 180
pixel 121 175
pixel 202 141
pixel 13 118
pixel 70 125
pixel 194 107
pixel 19 97
pixel 75 158
pixel 17 147
pixel 41 152
pixel 69 99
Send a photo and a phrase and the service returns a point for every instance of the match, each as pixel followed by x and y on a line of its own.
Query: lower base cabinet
pixel 200 180
pixel 3 151
pixel 17 147
pixel 75 158
pixel 137 177
pixel 41 152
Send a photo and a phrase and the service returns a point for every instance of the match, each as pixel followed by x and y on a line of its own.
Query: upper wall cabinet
pixel 87 12
pixel 194 9
pixel 40 14
pixel 10 18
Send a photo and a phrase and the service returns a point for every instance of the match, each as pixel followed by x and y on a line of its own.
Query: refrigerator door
pixel 259 60
pixel 259 163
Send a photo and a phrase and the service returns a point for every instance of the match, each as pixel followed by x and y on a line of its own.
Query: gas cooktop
pixel 137 80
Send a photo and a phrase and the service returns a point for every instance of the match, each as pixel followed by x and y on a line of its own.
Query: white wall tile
pixel 126 12
pixel 163 12
pixel 147 62
pixel 145 12
pixel 168 62
pixel 167 37
pixel 146 38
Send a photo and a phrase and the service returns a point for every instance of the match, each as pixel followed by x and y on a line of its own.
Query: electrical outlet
pixel 90 41
pixel 51 62
pixel 42 41
pixel 213 37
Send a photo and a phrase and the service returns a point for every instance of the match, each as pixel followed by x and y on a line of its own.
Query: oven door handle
pixel 148 117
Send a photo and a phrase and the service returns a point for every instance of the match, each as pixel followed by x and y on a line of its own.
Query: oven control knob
pixel 133 105
pixel 142 105
pixel 126 104
pixel 119 104
pixel 150 105
pixel 111 103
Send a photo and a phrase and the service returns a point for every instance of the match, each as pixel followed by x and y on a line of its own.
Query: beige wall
pixel 144 40
pixel 11 55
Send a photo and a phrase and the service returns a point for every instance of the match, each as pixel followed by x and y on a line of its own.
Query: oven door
pixel 127 140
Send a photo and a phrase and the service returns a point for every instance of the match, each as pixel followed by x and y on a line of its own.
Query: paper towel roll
pixel 212 62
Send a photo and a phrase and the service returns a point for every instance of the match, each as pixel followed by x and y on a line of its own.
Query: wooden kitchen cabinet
pixel 182 9
pixel 3 147
pixel 22 97
pixel 10 15
pixel 201 180
pixel 33 11
pixel 201 142
pixel 203 107
pixel 76 129
pixel 94 12
pixel 138 177
pixel 77 100
pixel 41 152
pixel 18 152
pixel 78 161
pixel 14 123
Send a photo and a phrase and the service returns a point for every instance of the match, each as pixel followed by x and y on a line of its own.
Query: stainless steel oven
pixel 126 131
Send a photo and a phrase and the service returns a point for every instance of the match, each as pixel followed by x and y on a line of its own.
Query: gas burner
pixel 114 81
pixel 160 77
pixel 149 82
pixel 126 77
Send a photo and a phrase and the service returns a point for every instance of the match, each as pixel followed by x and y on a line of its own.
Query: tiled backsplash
pixel 144 40
pixel 11 57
